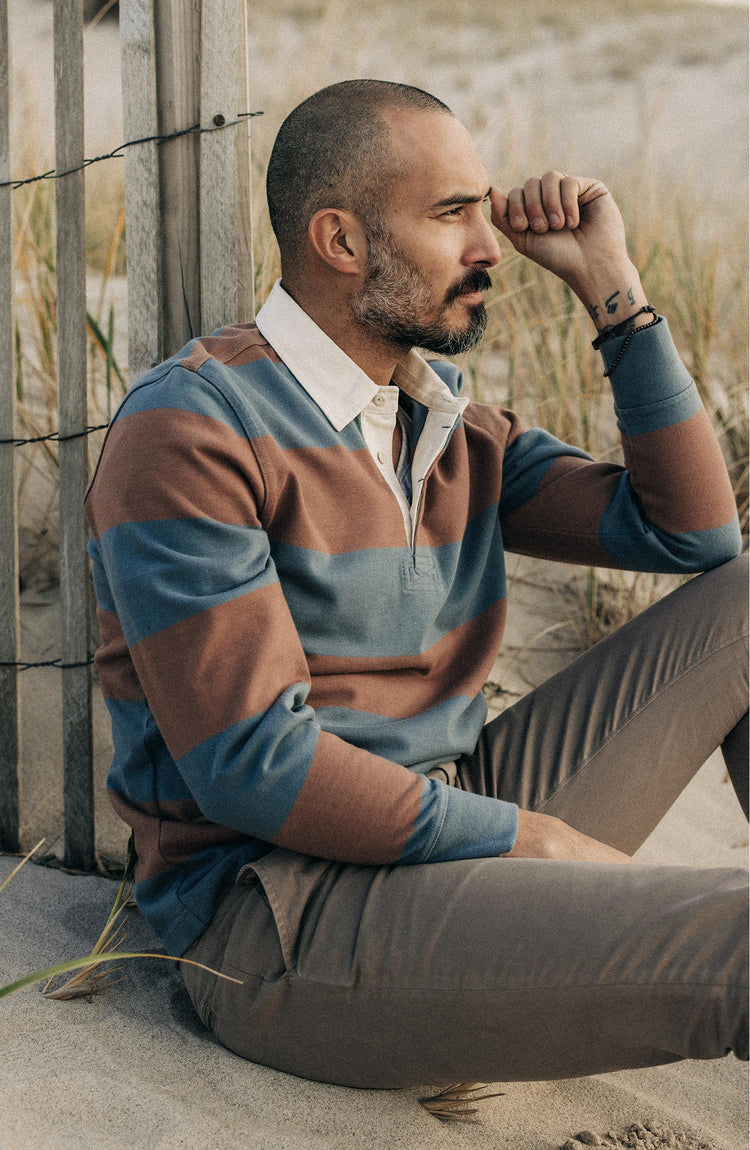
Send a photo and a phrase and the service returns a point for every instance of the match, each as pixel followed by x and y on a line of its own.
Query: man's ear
pixel 338 237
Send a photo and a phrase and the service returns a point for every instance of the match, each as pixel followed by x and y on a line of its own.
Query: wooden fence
pixel 189 266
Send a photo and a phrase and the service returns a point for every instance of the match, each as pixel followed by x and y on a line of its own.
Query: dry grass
pixel 453 1104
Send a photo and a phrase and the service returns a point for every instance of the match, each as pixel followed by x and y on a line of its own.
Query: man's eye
pixel 454 211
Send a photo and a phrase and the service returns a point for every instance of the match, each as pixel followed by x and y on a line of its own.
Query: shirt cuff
pixel 652 388
pixel 475 826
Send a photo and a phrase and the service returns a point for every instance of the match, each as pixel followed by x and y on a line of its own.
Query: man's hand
pixel 545 837
pixel 572 226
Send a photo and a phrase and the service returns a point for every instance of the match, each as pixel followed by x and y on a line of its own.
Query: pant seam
pixel 569 988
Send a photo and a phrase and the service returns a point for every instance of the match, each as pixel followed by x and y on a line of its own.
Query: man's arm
pixel 672 507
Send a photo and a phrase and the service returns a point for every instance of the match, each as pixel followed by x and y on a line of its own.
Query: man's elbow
pixel 703 550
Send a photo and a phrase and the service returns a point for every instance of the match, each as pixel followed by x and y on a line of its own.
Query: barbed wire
pixel 58 663
pixel 217 124
pixel 55 436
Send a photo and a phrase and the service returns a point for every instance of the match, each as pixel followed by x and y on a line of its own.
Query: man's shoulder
pixel 214 376
pixel 232 346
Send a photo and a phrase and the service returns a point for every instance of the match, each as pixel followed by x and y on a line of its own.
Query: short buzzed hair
pixel 332 151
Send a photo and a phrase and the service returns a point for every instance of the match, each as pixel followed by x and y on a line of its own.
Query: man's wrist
pixel 612 295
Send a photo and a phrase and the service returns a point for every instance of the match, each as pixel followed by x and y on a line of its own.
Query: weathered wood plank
pixel 244 216
pixel 177 26
pixel 9 615
pixel 72 406
pixel 218 166
pixel 138 55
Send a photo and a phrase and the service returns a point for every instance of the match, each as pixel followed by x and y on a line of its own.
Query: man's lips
pixel 470 291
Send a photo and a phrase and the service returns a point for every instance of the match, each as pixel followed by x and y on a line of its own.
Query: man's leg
pixel 609 743
pixel 502 969
pixel 476 970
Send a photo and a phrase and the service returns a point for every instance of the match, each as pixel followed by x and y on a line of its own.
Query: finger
pixel 569 189
pixel 519 221
pixel 551 199
pixel 499 209
pixel 532 198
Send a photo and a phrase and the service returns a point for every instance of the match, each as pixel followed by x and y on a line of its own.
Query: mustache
pixel 477 280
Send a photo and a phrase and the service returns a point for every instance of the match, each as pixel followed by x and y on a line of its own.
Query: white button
pixel 381 457
pixel 379 399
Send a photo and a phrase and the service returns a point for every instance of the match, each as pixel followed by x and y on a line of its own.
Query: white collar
pixel 341 389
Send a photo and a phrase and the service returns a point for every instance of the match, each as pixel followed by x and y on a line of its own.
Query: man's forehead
pixel 435 159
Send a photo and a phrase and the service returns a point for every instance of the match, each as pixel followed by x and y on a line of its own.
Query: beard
pixel 396 295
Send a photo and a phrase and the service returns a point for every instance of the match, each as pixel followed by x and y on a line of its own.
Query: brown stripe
pixel 399 687
pixel 561 520
pixel 353 806
pixel 161 842
pixel 333 500
pixel 206 673
pixel 235 344
pixel 117 675
pixel 680 476
pixel 171 464
pixel 468 476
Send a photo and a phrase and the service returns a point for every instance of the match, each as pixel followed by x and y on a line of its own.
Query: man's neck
pixel 376 357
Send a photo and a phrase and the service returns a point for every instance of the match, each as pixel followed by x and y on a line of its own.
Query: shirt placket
pixel 378 426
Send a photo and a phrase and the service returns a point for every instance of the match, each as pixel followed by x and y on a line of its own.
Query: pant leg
pixel 488 969
pixel 610 742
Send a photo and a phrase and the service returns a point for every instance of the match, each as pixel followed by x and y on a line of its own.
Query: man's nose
pixel 484 250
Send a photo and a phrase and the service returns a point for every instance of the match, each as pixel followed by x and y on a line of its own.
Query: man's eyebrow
pixel 462 198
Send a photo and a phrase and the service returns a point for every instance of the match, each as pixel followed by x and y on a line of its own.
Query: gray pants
pixel 509 969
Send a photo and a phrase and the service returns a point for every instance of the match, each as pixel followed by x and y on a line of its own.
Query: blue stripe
pixel 526 462
pixel 274 403
pixel 180 390
pixel 142 769
pixel 163 571
pixel 101 585
pixel 422 741
pixel 249 776
pixel 634 543
pixel 352 602
pixel 660 413
pixel 253 400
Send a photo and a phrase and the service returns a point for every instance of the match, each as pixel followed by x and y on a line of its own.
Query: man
pixel 297 535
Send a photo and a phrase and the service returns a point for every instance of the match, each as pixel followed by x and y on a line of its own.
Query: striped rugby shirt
pixel 289 642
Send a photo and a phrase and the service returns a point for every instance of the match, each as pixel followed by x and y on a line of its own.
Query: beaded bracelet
pixel 628 329
pixel 619 329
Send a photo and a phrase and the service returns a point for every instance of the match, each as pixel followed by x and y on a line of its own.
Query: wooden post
pixel 218 167
pixel 71 359
pixel 226 263
pixel 9 614
pixel 177 27
pixel 244 213
pixel 138 54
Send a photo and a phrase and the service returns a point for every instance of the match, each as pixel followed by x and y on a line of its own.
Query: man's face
pixel 429 253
